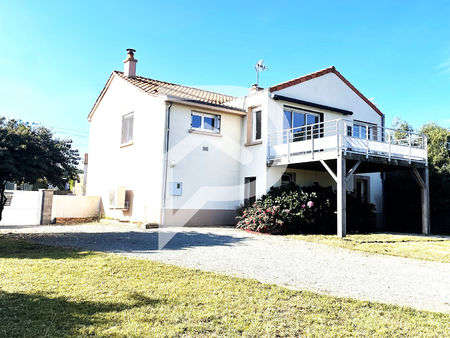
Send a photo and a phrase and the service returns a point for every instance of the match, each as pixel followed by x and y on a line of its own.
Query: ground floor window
pixel 361 188
pixel 249 191
pixel 287 178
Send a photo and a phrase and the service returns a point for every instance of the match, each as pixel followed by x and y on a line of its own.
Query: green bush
pixel 290 209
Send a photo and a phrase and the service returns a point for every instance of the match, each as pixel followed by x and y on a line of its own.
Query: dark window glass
pixel 196 121
pixel 208 123
pixel 258 125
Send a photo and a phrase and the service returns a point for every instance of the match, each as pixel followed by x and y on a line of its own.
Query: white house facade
pixel 174 155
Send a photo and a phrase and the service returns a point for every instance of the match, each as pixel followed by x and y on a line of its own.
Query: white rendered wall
pixel 210 179
pixel 75 206
pixel 331 91
pixel 138 166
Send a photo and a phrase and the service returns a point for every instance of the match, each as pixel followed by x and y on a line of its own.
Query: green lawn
pixel 435 249
pixel 48 291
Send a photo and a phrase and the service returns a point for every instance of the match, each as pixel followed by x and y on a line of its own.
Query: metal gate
pixel 22 208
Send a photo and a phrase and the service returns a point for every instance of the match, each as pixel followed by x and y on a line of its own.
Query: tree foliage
pixel 29 153
pixel 402 193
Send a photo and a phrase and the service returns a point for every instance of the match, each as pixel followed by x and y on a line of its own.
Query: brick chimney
pixel 130 64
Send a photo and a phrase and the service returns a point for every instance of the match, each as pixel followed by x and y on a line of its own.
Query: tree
pixel 402 192
pixel 438 151
pixel 29 153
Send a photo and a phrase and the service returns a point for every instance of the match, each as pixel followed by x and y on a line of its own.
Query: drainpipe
pixel 165 165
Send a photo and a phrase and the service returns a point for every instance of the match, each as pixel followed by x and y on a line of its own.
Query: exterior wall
pixel 210 179
pixel 330 90
pixel 138 166
pixel 75 206
pixel 254 157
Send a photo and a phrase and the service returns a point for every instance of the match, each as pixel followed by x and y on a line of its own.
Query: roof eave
pixel 320 73
pixel 205 105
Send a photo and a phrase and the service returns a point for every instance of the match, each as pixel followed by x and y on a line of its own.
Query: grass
pixel 436 249
pixel 48 291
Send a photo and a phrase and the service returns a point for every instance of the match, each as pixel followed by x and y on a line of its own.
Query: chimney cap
pixel 131 50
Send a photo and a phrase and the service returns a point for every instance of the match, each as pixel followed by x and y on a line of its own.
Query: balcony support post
pixel 424 184
pixel 341 196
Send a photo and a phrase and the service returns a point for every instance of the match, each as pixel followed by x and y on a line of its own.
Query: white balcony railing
pixel 326 139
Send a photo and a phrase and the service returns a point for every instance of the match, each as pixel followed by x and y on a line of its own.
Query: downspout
pixel 166 164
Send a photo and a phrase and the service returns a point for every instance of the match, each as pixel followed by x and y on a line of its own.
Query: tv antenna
pixel 259 67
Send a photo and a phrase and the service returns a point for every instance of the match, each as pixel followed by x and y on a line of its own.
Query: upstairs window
pixel 297 125
pixel 360 130
pixel 256 125
pixel 127 128
pixel 205 122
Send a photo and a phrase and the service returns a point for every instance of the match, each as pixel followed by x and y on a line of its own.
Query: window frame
pixel 254 125
pixel 128 138
pixel 370 130
pixel 217 122
pixel 300 133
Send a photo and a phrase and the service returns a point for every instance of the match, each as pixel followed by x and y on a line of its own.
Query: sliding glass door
pixel 297 125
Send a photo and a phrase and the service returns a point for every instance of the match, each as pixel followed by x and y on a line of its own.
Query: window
pixel 361 129
pixel 249 190
pixel 287 178
pixel 127 128
pixel 205 122
pixel 361 188
pixel 256 125
pixel 297 125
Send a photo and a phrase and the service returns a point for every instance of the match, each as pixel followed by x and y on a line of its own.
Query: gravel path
pixel 272 259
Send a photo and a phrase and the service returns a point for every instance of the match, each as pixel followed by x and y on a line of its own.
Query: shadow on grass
pixel 17 247
pixel 128 241
pixel 399 241
pixel 26 315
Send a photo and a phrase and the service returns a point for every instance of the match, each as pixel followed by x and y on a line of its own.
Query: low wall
pixel 75 206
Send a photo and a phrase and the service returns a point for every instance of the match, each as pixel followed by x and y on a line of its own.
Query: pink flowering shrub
pixel 283 210
pixel 290 209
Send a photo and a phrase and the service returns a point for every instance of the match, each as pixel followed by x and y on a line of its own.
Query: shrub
pixel 290 209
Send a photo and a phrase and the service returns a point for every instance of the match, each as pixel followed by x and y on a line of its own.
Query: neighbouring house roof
pixel 319 73
pixel 182 93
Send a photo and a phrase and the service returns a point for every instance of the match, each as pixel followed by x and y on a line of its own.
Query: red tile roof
pixel 319 73
pixel 152 86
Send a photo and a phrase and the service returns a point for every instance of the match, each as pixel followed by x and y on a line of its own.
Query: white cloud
pixel 444 67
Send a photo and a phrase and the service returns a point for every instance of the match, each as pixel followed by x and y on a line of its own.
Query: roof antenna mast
pixel 259 67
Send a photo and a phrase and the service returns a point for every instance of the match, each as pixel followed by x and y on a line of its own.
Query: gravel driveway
pixel 271 259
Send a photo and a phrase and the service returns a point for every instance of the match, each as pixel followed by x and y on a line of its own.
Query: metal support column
pixel 341 196
pixel 424 184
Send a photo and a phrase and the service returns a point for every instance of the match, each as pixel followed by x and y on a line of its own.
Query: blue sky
pixel 56 56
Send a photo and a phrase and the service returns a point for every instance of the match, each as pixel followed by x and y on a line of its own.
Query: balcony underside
pixel 368 165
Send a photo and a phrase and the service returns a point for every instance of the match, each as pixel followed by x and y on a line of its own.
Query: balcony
pixel 325 140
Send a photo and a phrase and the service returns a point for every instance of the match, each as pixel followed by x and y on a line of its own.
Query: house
pixel 175 155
